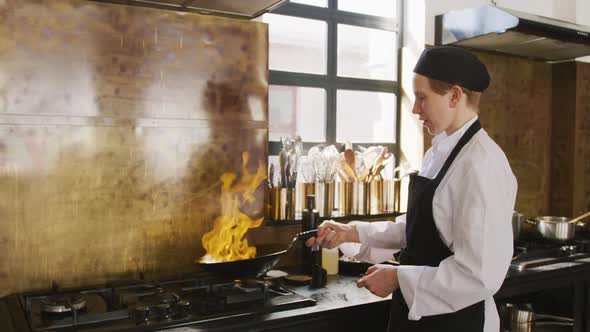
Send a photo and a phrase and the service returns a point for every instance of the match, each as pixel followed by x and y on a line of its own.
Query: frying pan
pixel 267 256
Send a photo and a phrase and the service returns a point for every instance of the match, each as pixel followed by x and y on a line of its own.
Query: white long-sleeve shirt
pixel 472 209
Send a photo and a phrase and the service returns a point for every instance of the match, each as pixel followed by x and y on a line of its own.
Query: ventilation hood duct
pixel 511 32
pixel 234 8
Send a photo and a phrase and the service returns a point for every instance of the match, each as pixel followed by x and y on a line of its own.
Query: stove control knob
pixel 142 314
pixel 183 308
pixel 164 311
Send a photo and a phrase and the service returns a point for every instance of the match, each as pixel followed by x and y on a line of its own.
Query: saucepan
pixel 558 229
pixel 516 220
pixel 267 256
pixel 521 317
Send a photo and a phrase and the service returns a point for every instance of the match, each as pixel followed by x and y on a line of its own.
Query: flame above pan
pixel 226 241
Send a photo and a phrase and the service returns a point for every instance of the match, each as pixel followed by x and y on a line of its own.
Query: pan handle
pixel 307 234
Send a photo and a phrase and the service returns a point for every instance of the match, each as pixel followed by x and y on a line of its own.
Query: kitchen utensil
pixel 271 175
pixel 349 158
pixel 293 162
pixel 342 176
pixel 298 279
pixel 288 174
pixel 516 220
pixel 364 174
pixel 325 163
pixel 521 317
pixel 298 151
pixel 306 170
pixel 267 257
pixel 283 159
pixel 380 164
pixel 556 228
pixel 580 217
pixel 348 170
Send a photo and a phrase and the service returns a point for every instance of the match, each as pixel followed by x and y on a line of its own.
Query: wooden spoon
pixel 349 158
pixel 348 171
pixel 576 219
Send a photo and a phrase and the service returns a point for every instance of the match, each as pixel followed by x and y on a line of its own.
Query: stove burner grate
pixel 63 303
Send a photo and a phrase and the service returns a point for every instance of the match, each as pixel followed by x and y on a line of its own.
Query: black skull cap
pixel 453 65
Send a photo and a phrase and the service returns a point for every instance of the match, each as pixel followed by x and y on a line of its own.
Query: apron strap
pixel 471 131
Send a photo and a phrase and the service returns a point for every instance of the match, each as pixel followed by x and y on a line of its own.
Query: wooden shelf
pixel 383 216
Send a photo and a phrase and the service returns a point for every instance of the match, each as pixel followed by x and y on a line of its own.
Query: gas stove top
pixel 536 253
pixel 156 305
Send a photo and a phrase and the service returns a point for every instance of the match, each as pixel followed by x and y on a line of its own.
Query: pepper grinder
pixel 312 258
pixel 308 217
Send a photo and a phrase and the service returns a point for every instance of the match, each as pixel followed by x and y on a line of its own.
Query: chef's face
pixel 434 109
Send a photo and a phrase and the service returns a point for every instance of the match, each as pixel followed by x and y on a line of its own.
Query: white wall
pixel 583 12
pixel 583 18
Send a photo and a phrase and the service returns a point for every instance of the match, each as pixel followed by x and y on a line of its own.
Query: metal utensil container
pixel 360 201
pixel 391 190
pixel 301 191
pixel 376 197
pixel 324 198
pixel 516 220
pixel 286 204
pixel 274 203
pixel 345 198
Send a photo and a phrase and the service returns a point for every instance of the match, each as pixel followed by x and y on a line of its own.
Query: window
pixel 334 72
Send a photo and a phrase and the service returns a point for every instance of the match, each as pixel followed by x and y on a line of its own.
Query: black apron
pixel 425 247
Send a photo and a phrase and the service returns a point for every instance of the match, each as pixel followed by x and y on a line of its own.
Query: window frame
pixel 331 82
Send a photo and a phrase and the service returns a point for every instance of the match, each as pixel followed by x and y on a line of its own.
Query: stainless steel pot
pixel 521 317
pixel 516 220
pixel 555 228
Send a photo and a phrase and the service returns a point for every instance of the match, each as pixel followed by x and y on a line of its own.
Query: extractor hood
pixel 233 8
pixel 511 32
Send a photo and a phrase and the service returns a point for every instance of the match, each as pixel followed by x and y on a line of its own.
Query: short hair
pixel 440 87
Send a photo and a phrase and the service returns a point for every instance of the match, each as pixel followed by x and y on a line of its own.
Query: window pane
pixel 365 117
pixel 296 44
pixel 370 7
pixel 297 111
pixel 367 53
pixel 318 3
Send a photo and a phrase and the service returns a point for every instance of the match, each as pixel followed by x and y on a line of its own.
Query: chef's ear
pixel 456 95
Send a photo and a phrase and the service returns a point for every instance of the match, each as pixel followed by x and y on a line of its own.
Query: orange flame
pixel 226 242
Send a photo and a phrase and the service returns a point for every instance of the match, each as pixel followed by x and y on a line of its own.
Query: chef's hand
pixel 380 279
pixel 331 234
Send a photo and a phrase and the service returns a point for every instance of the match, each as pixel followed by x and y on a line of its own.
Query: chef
pixel 455 242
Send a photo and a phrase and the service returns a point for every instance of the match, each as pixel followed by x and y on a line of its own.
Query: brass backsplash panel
pixel 516 112
pixel 582 152
pixel 116 123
